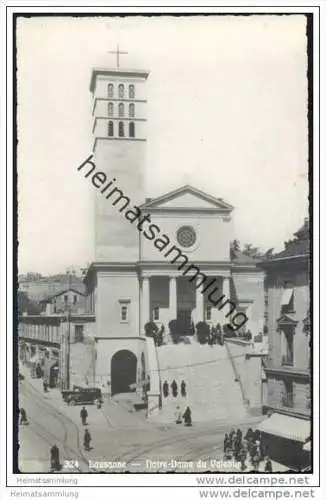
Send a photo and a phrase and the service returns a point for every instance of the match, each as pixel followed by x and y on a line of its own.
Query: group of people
pixel 215 336
pixel 54 451
pixel 174 389
pixel 251 446
pixel 185 416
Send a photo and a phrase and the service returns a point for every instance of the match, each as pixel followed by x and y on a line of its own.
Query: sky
pixel 227 113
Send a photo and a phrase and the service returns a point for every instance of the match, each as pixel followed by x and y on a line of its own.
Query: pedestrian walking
pixel 226 442
pixel 243 458
pixel 23 417
pixel 54 458
pixel 249 434
pixel 174 387
pixel 268 465
pixel 255 457
pixel 232 439
pixel 165 389
pixel 263 449
pixel 83 415
pixel 178 416
pixel 87 439
pixel 187 417
pixel 237 448
pixel 183 389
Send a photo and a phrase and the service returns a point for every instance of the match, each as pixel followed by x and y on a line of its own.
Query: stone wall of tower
pixel 121 156
pixel 116 239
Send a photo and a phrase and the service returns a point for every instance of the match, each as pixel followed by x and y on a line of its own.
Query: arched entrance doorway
pixel 123 371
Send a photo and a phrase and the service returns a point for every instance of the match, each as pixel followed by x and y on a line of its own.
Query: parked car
pixel 82 395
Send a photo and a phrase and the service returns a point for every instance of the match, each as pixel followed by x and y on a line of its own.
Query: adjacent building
pixel 288 369
pixel 38 287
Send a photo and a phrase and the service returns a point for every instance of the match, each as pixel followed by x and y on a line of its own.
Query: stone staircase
pixel 212 391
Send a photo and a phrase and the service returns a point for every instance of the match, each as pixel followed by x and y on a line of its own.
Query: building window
pixel 131 91
pixel 287 399
pixel 65 298
pixel 287 359
pixel 209 313
pixel 156 315
pixel 79 333
pixel 131 129
pixel 124 313
pixel 131 110
pixel 110 109
pixel 110 90
pixel 75 299
pixel 121 110
pixel 287 302
pixel 121 91
pixel 110 129
pixel 121 129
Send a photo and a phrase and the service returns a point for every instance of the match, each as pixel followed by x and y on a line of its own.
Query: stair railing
pixel 159 405
pixel 236 374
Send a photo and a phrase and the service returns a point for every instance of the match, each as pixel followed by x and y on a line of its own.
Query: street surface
pixel 121 440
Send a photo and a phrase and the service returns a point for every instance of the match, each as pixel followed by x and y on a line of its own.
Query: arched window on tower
pixel 131 110
pixel 131 129
pixel 110 90
pixel 110 129
pixel 110 109
pixel 131 91
pixel 121 110
pixel 121 129
pixel 121 91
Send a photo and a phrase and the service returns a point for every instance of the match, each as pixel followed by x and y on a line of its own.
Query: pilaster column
pixel 226 288
pixel 173 297
pixel 144 314
pixel 199 302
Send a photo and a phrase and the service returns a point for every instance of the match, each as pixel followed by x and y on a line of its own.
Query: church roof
pixel 213 203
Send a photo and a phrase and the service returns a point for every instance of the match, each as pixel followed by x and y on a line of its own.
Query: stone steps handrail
pixel 236 373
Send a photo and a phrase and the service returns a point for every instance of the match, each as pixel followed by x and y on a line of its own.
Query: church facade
pixel 156 259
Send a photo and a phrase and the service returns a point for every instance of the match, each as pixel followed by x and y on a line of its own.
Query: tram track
pixel 129 456
pixel 189 437
pixel 71 454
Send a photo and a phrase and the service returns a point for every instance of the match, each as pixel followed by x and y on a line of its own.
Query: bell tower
pixel 119 132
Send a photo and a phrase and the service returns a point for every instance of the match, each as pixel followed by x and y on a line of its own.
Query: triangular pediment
pixel 187 198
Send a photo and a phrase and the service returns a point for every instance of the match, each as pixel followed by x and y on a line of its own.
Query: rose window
pixel 186 236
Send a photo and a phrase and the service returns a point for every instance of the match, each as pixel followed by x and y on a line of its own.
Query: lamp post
pixel 65 339
pixel 66 349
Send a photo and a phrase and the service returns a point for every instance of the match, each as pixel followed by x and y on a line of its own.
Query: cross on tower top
pixel 118 53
